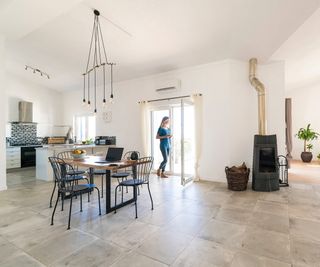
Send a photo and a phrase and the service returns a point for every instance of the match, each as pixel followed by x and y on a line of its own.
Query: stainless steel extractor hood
pixel 25 112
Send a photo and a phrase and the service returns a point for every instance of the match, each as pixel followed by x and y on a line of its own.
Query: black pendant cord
pixel 89 88
pixel 84 88
pixel 95 91
pixel 111 81
pixel 98 39
pixel 95 66
pixel 102 41
pixel 88 61
pixel 104 83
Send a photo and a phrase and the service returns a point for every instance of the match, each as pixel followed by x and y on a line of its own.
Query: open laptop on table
pixel 114 155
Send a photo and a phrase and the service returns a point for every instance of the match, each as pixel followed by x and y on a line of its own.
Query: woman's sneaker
pixel 158 173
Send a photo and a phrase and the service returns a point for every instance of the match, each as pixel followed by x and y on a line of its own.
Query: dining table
pixel 95 162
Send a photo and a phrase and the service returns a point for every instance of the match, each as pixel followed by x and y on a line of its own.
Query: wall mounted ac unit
pixel 168 86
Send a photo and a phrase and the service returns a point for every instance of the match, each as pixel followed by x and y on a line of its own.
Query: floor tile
pixel 272 207
pixel 164 246
pixel 21 259
pixel 58 247
pixel 204 253
pixel 137 260
pixel 133 234
pixel 242 259
pixel 305 229
pixel 268 221
pixel 187 224
pixel 97 253
pixel 7 249
pixel 305 253
pixel 234 215
pixel 228 235
pixel 267 243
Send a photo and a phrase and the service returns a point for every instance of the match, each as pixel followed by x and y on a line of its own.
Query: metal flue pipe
pixel 261 95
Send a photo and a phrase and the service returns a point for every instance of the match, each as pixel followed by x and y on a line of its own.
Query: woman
pixel 164 134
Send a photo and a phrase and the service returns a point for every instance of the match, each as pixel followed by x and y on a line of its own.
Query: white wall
pixel 3 179
pixel 305 110
pixel 229 110
pixel 47 104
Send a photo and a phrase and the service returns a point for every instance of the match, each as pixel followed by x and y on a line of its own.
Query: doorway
pixel 182 157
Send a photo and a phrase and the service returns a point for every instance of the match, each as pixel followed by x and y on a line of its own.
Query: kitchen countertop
pixel 69 146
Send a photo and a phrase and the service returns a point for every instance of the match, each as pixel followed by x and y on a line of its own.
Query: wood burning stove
pixel 265 172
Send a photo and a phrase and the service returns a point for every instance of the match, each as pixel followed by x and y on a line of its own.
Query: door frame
pixel 170 106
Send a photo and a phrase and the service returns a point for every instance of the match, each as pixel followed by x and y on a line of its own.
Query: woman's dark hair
pixel 165 118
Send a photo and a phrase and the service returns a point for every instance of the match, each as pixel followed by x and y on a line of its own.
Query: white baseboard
pixel 2 188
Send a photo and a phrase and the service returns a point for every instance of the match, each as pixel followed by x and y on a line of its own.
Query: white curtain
pixel 198 117
pixel 145 126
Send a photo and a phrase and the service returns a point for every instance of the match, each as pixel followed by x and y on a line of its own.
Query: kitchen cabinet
pixel 13 156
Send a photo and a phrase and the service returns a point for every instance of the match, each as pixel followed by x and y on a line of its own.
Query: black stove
pixel 28 153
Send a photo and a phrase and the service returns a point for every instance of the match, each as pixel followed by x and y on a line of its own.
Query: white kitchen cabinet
pixel 13 157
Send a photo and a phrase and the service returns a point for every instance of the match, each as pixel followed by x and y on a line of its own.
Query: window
pixel 84 127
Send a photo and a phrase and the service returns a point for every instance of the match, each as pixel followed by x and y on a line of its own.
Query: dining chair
pixel 68 155
pixel 120 176
pixel 123 174
pixel 64 174
pixel 141 176
pixel 77 175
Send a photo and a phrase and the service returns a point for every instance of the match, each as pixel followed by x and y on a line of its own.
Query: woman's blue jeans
pixel 165 150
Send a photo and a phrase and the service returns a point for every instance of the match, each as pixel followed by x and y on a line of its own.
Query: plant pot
pixel 306 156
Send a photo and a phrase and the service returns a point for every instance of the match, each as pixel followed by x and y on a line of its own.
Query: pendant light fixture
pixel 96 66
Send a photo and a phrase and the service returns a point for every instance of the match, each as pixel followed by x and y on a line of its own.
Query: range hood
pixel 25 113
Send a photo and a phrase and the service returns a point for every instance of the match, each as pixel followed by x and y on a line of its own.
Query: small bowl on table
pixel 79 156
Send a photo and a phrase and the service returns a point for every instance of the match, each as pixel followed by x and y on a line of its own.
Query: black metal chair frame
pixel 67 185
pixel 140 177
pixel 77 177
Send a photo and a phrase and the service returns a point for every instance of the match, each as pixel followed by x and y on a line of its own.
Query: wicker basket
pixel 237 180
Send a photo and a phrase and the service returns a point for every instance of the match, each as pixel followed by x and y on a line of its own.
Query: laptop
pixel 114 154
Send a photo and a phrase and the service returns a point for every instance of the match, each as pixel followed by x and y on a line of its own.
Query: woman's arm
pixel 163 136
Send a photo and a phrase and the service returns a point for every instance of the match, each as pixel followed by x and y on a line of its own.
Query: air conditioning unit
pixel 168 86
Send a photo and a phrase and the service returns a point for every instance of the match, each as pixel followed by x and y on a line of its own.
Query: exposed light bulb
pixel 83 102
pixel 104 103
pixel 89 103
pixel 26 68
pixel 111 99
pixel 95 111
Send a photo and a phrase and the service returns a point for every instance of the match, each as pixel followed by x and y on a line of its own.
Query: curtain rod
pixel 169 98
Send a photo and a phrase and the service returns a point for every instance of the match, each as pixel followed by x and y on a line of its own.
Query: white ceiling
pixel 155 35
pixel 301 53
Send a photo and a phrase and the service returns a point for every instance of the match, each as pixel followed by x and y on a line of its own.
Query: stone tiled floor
pixel 203 224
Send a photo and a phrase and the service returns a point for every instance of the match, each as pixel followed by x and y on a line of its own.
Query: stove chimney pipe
pixel 259 87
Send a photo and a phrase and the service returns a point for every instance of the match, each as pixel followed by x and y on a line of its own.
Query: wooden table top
pixel 91 162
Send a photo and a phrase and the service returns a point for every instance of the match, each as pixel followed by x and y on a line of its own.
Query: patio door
pixel 182 157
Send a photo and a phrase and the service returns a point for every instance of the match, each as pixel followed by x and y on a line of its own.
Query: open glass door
pixel 187 142
pixel 182 156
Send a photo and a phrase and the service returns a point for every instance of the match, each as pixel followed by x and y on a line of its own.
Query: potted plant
pixel 307 135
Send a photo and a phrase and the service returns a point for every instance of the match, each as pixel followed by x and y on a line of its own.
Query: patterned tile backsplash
pixel 23 134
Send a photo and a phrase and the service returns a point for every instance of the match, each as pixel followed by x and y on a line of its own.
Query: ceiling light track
pixel 35 70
